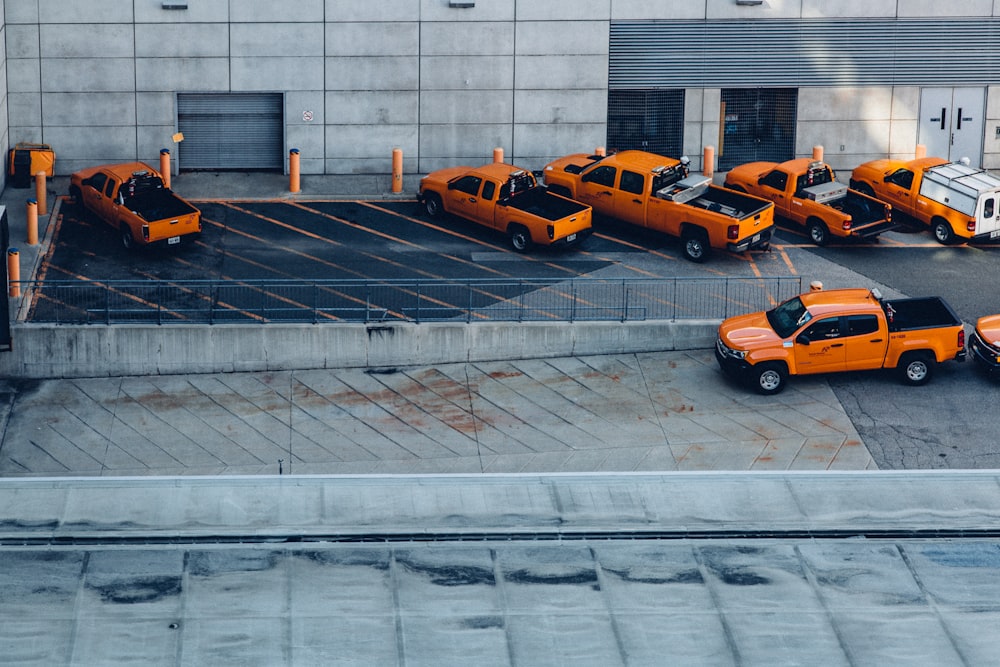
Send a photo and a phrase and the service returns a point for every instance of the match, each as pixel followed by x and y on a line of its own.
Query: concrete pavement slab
pixel 658 411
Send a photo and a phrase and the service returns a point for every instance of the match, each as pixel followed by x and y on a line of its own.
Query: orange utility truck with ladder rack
pixel 957 202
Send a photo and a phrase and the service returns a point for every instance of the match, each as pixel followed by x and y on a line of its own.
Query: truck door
pixel 825 351
pixel 864 342
pixel 92 190
pixel 463 198
pixel 630 198
pixel 897 190
pixel 773 185
pixel 952 123
pixel 596 188
pixel 106 204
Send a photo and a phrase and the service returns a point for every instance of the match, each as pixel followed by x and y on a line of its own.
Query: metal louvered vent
pixel 804 52
pixel 231 131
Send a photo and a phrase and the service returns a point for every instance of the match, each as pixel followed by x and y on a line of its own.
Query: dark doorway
pixel 757 124
pixel 648 120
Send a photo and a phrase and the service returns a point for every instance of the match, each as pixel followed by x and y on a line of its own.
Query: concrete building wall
pixel 97 79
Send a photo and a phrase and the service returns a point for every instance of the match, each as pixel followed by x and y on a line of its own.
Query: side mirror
pixel 802 339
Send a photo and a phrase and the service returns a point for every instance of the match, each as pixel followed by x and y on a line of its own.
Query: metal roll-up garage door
pixel 231 131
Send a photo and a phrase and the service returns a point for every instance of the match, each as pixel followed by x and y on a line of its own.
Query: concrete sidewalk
pixel 670 411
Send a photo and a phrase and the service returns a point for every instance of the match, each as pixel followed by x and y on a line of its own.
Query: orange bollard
pixel 13 272
pixel 32 210
pixel 397 169
pixel 817 153
pixel 708 168
pixel 498 155
pixel 40 193
pixel 600 151
pixel 165 166
pixel 920 152
pixel 293 170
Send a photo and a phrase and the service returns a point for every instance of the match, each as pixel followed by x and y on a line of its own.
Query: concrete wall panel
pixel 96 351
pixel 76 12
pixel 558 10
pixel 930 8
pixel 24 108
pixel 152 11
pixel 23 75
pixel 22 41
pixel 275 39
pixel 301 101
pixel 466 106
pixel 560 106
pixel 580 72
pixel 390 73
pixel 87 40
pixel 360 141
pixel 466 73
pixel 159 108
pixel 199 40
pixel 77 148
pixel 372 39
pixel 821 104
pixel 78 75
pixel 460 141
pixel 86 109
pixel 575 37
pixel 182 74
pixel 467 39
pixel 384 11
pixel 375 108
pixel 485 10
pixel 542 143
pixel 262 74
pixel 254 11
pixel 812 9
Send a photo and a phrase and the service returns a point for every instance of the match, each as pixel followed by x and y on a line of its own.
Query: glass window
pixel 859 325
pixel 632 182
pixel 776 180
pixel 110 187
pixel 989 207
pixel 97 181
pixel 468 184
pixel 603 175
pixel 901 177
pixel 824 329
pixel 489 189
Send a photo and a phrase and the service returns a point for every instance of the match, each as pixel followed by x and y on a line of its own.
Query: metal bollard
pixel 13 272
pixel 498 155
pixel 32 210
pixel 920 152
pixel 40 195
pixel 600 150
pixel 818 153
pixel 165 166
pixel 708 166
pixel 293 170
pixel 397 169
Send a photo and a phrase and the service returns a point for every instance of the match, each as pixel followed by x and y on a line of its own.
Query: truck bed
pixel 929 312
pixel 154 205
pixel 729 202
pixel 542 203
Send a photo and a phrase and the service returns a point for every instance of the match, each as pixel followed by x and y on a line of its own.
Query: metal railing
pixel 319 301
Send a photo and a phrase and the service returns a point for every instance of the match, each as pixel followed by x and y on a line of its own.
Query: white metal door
pixel 952 123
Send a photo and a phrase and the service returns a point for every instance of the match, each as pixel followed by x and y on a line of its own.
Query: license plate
pixel 995 234
pixel 173 240
pixel 756 237
pixel 570 238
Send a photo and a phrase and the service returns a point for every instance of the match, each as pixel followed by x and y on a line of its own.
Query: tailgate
pixel 169 229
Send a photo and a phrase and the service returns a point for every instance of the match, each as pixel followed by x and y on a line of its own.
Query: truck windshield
pixel 788 317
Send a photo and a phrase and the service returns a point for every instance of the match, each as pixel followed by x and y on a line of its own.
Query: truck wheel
pixel 818 232
pixel 695 245
pixel 432 204
pixel 864 189
pixel 520 238
pixel 943 232
pixel 769 378
pixel 126 235
pixel 916 368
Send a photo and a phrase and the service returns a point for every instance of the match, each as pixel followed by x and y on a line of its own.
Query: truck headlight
pixel 727 351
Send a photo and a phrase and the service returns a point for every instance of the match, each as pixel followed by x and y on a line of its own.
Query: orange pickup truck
pixel 134 201
pixel 984 344
pixel 840 330
pixel 656 192
pixel 957 202
pixel 508 199
pixel 806 192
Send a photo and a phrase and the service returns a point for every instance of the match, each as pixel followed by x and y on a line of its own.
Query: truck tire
pixel 768 378
pixel 943 232
pixel 520 238
pixel 916 368
pixel 864 189
pixel 818 233
pixel 694 243
pixel 128 242
pixel 433 206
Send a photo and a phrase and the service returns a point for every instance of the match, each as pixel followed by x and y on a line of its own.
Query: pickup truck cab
pixel 958 203
pixel 508 199
pixel 840 330
pixel 806 193
pixel 657 193
pixel 133 200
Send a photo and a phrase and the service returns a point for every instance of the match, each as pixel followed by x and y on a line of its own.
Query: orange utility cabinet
pixel 25 160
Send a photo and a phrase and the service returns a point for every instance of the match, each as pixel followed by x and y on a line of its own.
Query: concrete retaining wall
pixel 47 351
